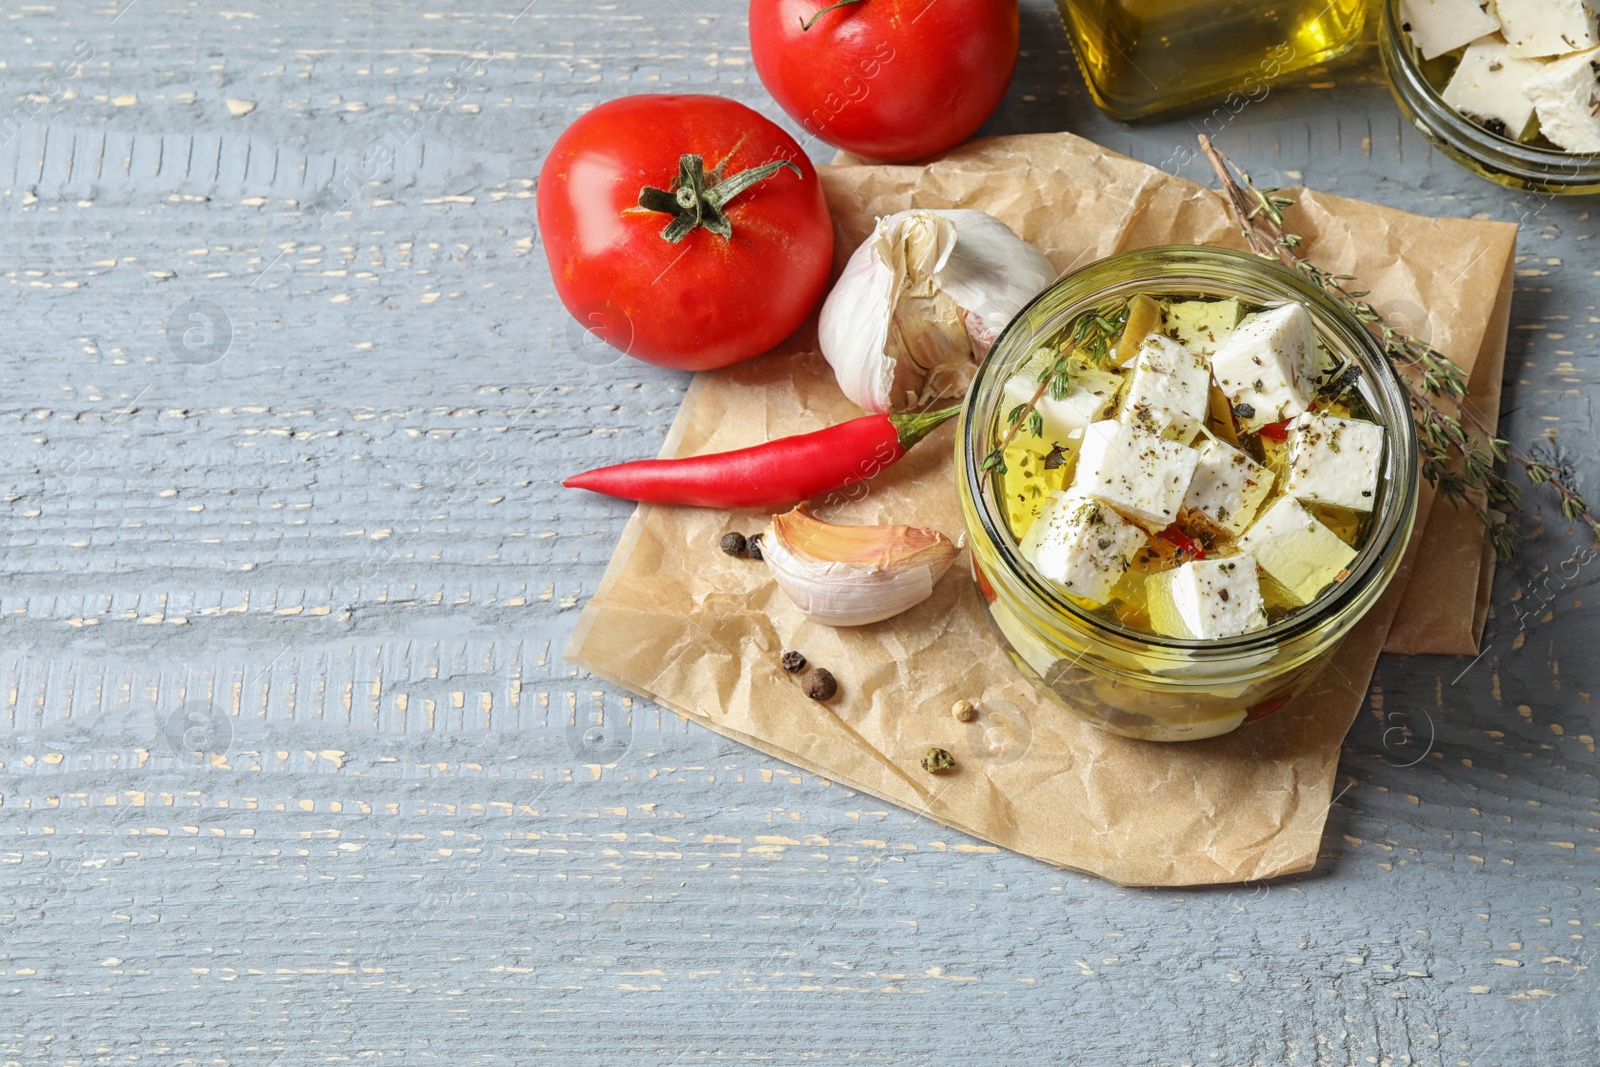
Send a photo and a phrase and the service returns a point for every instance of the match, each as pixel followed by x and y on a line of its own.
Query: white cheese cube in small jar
pixel 1565 94
pixel 1441 26
pixel 1546 27
pixel 1487 85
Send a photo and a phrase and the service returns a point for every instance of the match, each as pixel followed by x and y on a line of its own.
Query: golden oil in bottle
pixel 1142 57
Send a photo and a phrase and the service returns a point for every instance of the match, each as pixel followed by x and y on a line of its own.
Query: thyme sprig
pixel 1460 454
pixel 1092 334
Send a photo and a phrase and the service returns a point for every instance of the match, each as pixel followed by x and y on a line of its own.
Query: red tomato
pixel 731 286
pixel 892 80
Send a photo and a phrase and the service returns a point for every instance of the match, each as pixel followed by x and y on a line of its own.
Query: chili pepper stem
pixel 914 426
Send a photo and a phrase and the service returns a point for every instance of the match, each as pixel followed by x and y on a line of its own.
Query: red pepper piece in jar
pixel 1183 542
pixel 1275 431
pixel 1266 707
pixel 777 474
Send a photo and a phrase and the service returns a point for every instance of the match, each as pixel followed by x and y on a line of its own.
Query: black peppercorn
pixel 793 662
pixel 733 544
pixel 1244 411
pixel 1496 127
pixel 819 684
pixel 752 546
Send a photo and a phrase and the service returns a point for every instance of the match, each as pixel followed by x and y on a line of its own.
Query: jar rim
pixel 1558 171
pixel 1178 266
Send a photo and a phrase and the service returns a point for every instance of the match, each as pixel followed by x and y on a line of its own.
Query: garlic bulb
pixel 853 575
pixel 921 301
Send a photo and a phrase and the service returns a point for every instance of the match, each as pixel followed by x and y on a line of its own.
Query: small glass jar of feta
pixel 1418 86
pixel 1133 681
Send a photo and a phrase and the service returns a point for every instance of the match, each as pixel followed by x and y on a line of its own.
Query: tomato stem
pixel 691 203
pixel 807 24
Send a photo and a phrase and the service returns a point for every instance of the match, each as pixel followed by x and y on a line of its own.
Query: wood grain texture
pixel 291 771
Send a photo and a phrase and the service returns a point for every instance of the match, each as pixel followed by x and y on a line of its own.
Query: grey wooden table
pixel 282 436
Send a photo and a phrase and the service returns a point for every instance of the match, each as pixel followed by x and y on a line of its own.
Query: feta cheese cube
pixel 1296 551
pixel 1334 461
pixel 1089 397
pixel 1228 488
pixel 1546 27
pixel 1141 474
pixel 1440 26
pixel 1082 544
pixel 1201 326
pixel 1488 85
pixel 1268 365
pixel 1168 391
pixel 1207 598
pixel 1566 95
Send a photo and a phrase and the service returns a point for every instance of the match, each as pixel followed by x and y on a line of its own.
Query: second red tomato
pixel 891 80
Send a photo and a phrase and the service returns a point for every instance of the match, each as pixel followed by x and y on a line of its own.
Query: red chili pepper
pixel 1183 542
pixel 1275 431
pixel 772 475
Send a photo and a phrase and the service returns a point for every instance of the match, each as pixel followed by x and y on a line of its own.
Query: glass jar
pixel 1130 681
pixel 1488 155
pixel 1143 57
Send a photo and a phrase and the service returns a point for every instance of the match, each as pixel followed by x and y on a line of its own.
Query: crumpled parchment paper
pixel 678 622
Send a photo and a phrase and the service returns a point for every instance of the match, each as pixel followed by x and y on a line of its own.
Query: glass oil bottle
pixel 1145 57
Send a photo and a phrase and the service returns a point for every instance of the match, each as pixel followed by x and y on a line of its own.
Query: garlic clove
pixel 920 303
pixel 854 575
pixel 991 274
pixel 853 330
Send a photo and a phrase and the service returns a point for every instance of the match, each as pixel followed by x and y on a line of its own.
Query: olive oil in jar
pixel 1142 57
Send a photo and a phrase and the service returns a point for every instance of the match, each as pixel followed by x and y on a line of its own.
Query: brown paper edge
pixel 1456 538
pixel 630 538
